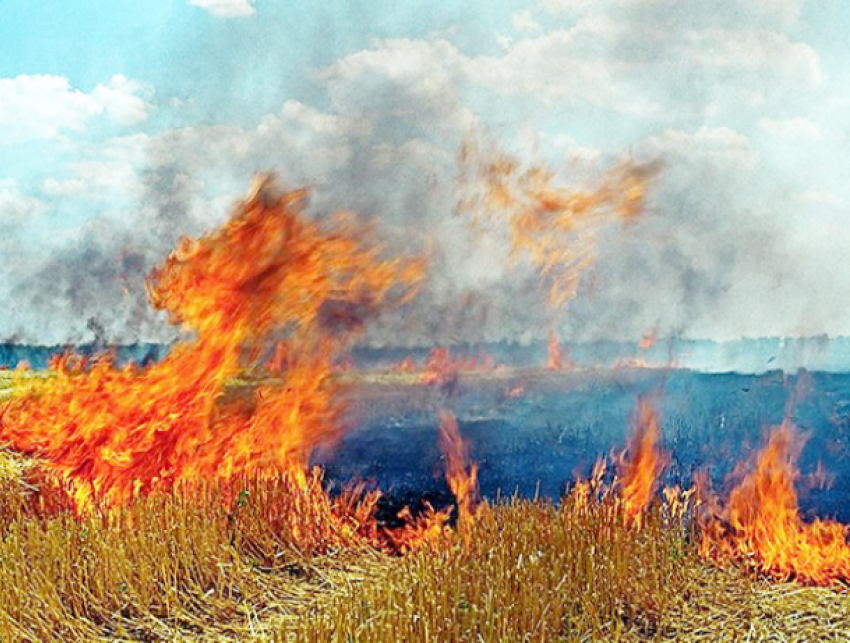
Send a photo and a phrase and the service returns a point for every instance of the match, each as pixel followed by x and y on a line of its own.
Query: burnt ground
pixel 538 442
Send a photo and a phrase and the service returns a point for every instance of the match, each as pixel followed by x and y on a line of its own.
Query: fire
pixel 556 227
pixel 761 523
pixel 515 390
pixel 630 362
pixel 271 276
pixel 555 359
pixel 649 339
pixel 114 433
pixel 407 365
pixel 444 369
pixel 584 492
pixel 639 468
pixel 462 476
pixel 641 463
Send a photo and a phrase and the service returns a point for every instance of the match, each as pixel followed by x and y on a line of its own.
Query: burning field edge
pixel 183 568
pixel 176 500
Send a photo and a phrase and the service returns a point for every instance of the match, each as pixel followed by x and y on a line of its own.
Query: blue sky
pixel 124 125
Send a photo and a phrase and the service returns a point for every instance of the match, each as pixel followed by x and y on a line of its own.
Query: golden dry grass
pixel 181 568
pixel 176 568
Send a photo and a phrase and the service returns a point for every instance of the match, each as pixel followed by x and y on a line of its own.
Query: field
pixel 534 563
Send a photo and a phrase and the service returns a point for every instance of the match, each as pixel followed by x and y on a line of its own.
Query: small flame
pixel 515 390
pixel 556 359
pixel 641 463
pixel 649 339
pixel 461 475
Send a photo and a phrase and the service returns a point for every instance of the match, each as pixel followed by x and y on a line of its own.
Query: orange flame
pixel 761 523
pixel 462 476
pixel 515 390
pixel 641 463
pixel 556 227
pixel 649 339
pixel 555 358
pixel 114 433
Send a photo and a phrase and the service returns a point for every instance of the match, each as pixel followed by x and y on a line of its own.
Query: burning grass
pixel 175 501
pixel 183 567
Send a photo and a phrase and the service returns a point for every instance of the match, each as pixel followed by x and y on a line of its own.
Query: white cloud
pixel 38 107
pixel 226 8
pixel 638 67
pixel 678 65
pixel 64 187
pixel 123 101
pixel 570 6
pixel 769 54
pixel 103 175
pixel 821 198
pixel 111 173
pixel 44 106
pixel 800 129
pixel 16 207
pixel 697 13
pixel 524 21
pixel 567 66
pixel 402 78
pixel 667 57
pixel 721 145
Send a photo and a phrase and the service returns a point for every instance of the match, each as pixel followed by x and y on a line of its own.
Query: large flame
pixel 762 526
pixel 269 270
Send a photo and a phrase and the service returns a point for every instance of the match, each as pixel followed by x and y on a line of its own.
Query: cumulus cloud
pixel 791 128
pixel 569 67
pixel 647 60
pixel 687 57
pixel 226 8
pixel 821 197
pixel 17 207
pixel 44 106
pixel 415 83
pixel 524 21
pixel 123 100
pixel 715 145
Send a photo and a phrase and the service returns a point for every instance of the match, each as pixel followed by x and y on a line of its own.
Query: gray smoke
pixel 93 285
pixel 377 132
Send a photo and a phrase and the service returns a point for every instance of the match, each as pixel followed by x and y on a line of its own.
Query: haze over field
pixel 123 127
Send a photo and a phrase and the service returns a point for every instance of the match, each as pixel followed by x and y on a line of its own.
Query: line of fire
pixel 268 476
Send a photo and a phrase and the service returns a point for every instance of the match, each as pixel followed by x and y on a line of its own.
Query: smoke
pixel 721 251
pixel 92 287
pixel 682 266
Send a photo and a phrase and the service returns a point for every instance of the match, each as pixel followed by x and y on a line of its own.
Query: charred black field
pixel 536 442
pixel 537 560
pixel 255 481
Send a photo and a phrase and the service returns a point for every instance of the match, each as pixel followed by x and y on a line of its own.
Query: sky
pixel 124 125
